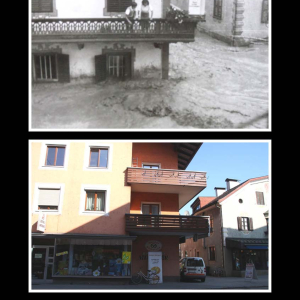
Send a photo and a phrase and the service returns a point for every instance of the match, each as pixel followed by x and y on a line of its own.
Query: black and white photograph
pixel 138 65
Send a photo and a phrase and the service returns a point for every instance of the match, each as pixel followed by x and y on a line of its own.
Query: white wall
pixel 231 209
pixel 94 8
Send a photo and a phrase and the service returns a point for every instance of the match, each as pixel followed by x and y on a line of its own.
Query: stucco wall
pixel 162 153
pixel 70 219
pixel 147 61
pixel 169 204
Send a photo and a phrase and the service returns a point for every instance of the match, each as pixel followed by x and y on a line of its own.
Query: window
pixel 42 6
pixel 218 9
pixel 265 12
pixel 260 198
pixel 98 157
pixel 150 209
pixel 212 253
pixel 117 5
pixel 211 224
pixel 151 166
pixel 50 67
pixel 55 156
pixel 245 224
pixel 95 201
pixel 48 199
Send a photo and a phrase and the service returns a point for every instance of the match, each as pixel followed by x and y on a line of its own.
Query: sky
pixel 236 160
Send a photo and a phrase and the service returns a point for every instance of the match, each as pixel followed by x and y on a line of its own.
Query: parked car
pixel 192 268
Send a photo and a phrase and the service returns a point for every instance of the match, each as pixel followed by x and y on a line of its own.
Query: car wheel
pixel 202 279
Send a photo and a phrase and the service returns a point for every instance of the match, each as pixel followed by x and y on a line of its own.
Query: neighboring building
pixel 237 22
pixel 99 207
pixel 238 227
pixel 91 40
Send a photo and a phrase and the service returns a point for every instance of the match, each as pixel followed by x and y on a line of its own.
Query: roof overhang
pixel 186 152
pixel 240 243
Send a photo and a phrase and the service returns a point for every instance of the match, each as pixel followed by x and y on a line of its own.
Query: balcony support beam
pixel 165 60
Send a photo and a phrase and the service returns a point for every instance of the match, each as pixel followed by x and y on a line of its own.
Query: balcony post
pixel 165 60
pixel 165 6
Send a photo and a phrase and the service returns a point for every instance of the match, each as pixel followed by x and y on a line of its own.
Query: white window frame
pixel 53 143
pixel 92 144
pixel 88 187
pixel 151 164
pixel 41 185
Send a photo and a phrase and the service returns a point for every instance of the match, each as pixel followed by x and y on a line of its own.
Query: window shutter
pixel 42 5
pixel 128 66
pixel 100 67
pixel 49 197
pixel 63 67
pixel 265 11
pixel 118 5
pixel 239 220
pixel 250 224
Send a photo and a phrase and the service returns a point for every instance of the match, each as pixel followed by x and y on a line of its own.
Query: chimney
pixel 230 183
pixel 219 191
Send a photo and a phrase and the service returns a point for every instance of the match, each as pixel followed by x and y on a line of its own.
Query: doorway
pixel 42 263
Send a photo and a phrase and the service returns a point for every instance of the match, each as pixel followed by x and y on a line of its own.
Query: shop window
pixel 260 198
pixel 55 156
pixel 218 9
pixel 92 258
pixel 95 201
pixel 98 157
pixel 48 199
pixel 50 67
pixel 245 224
pixel 212 253
pixel 265 12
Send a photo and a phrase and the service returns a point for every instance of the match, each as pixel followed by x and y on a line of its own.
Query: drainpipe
pixel 221 217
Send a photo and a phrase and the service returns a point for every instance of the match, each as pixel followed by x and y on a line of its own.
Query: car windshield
pixel 194 263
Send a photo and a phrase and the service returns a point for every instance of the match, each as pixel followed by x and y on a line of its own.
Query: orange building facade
pixel 100 209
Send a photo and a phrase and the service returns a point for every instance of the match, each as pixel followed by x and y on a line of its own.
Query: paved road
pixel 211 283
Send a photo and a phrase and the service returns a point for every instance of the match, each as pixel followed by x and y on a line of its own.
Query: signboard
pixel 155 264
pixel 196 7
pixel 250 272
pixel 126 258
pixel 41 225
pixel 153 245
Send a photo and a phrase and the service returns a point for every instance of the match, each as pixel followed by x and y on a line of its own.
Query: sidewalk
pixel 212 283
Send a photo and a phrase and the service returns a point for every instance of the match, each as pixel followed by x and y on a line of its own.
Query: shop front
pixel 245 251
pixel 84 256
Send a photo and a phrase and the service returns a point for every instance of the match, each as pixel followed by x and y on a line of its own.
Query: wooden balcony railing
pixel 166 224
pixel 164 176
pixel 113 29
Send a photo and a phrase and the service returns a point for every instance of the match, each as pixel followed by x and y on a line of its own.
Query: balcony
pixel 186 184
pixel 141 224
pixel 112 29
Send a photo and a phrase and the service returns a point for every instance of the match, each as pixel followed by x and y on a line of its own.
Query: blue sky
pixel 236 160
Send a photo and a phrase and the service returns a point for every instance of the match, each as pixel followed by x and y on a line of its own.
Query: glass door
pixel 42 262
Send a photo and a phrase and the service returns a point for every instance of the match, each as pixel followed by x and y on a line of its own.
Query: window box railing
pixel 164 176
pixel 113 28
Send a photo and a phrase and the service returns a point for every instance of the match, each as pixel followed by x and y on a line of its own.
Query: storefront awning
pixel 240 243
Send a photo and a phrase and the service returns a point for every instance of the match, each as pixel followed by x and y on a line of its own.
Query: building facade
pixel 92 41
pixel 236 22
pixel 102 209
pixel 239 217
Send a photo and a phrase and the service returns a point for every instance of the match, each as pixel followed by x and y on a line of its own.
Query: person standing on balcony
pixel 131 13
pixel 146 10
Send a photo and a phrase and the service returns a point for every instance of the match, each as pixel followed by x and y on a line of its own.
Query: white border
pixel 99 187
pixel 59 143
pixel 87 148
pixel 39 185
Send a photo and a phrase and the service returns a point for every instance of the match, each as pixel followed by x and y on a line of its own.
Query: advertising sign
pixel 126 258
pixel 155 264
pixel 41 225
pixel 197 7
pixel 153 245
pixel 250 272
